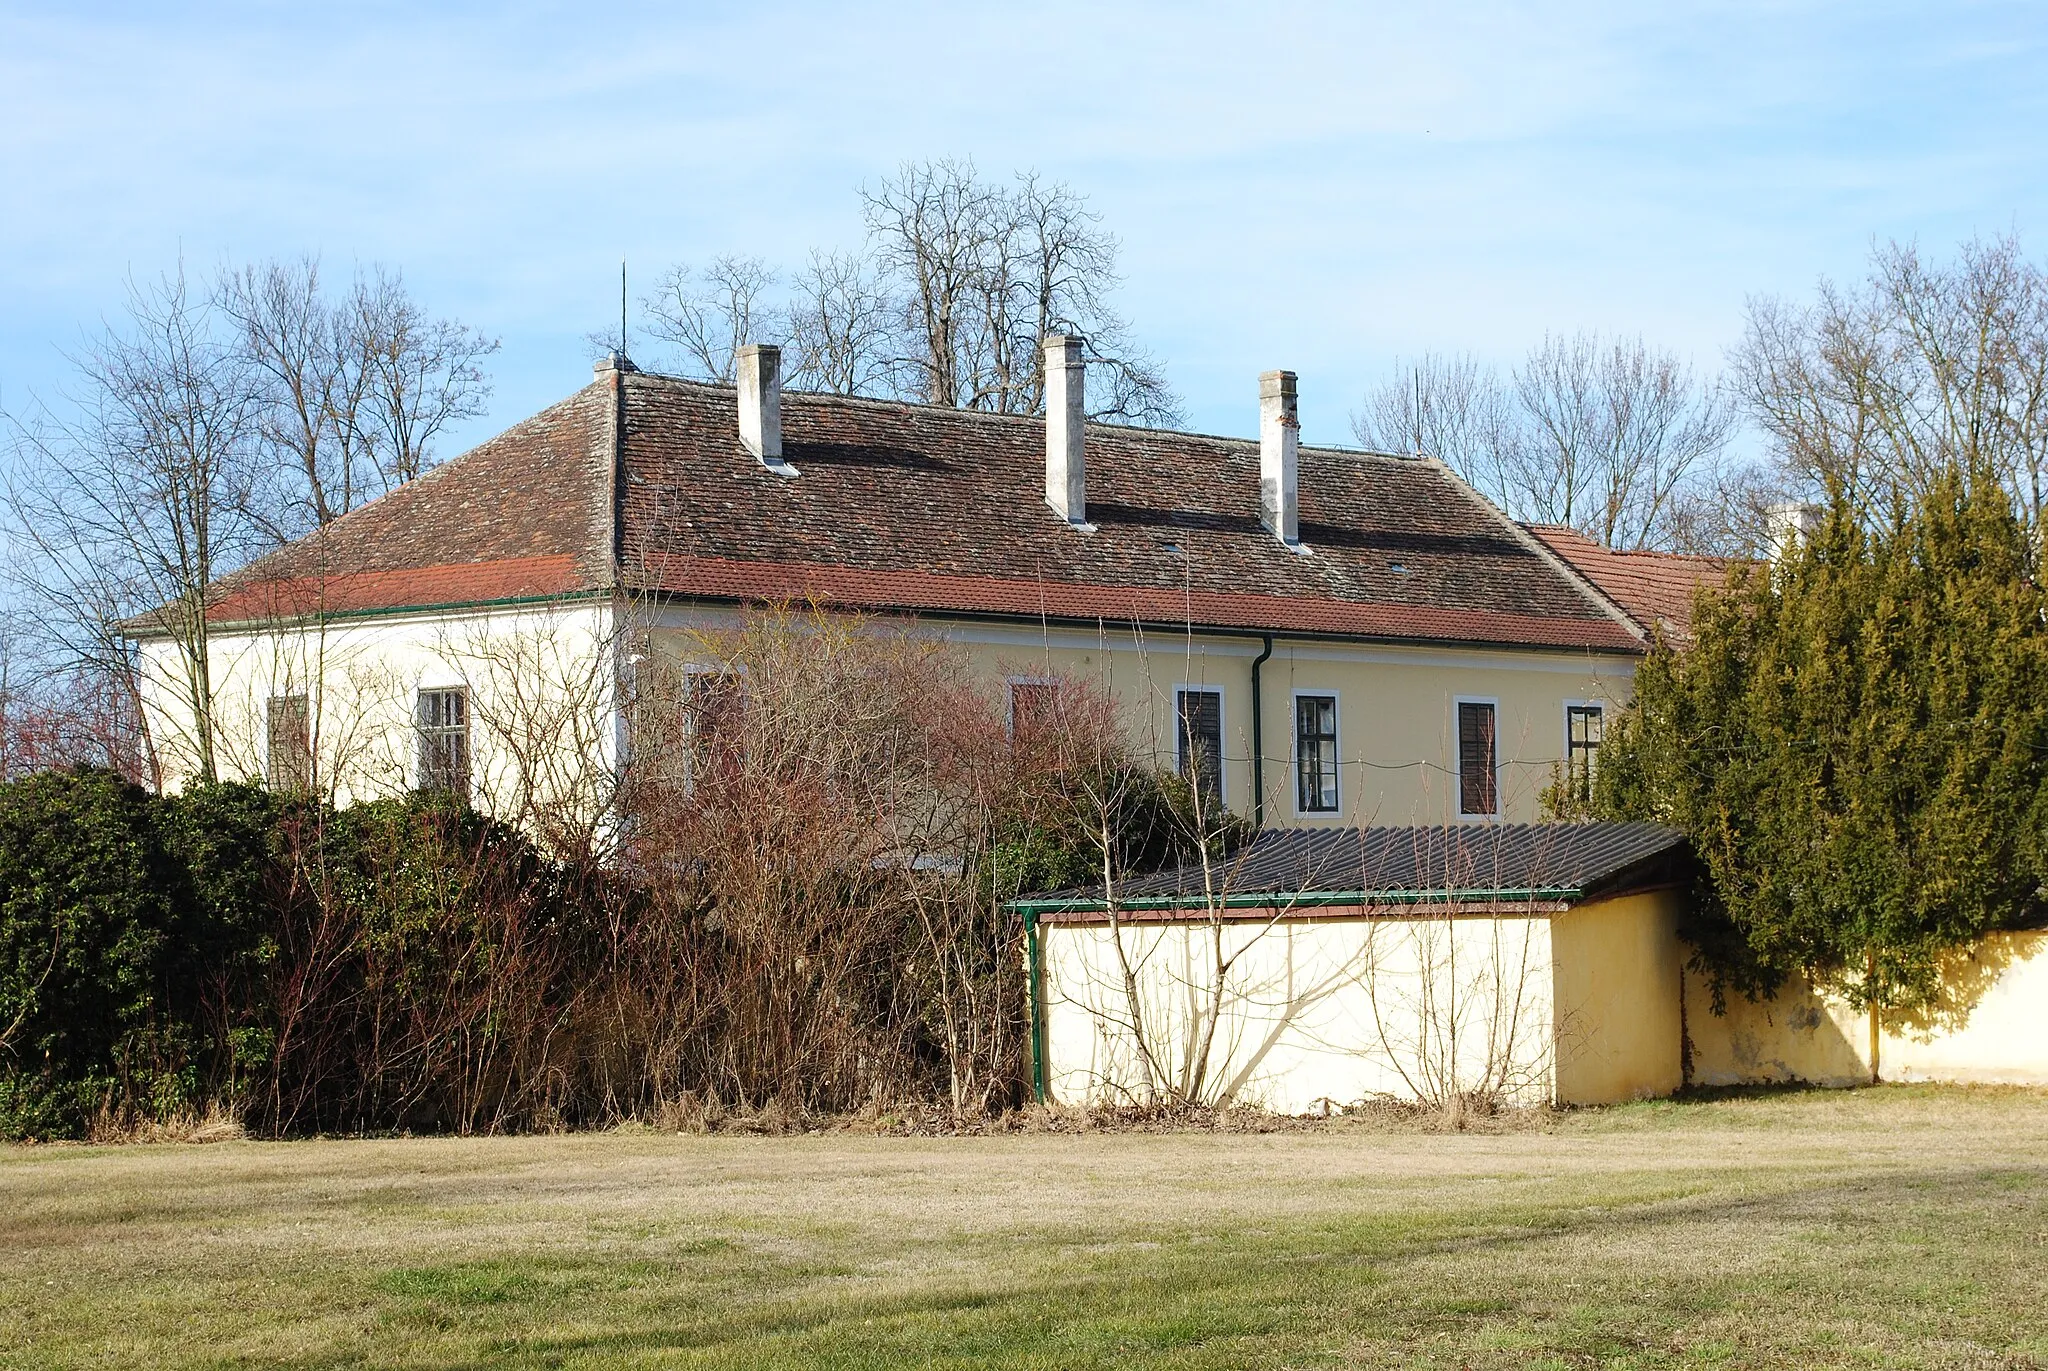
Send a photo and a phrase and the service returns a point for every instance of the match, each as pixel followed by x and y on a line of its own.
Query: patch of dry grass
pixel 1901 1226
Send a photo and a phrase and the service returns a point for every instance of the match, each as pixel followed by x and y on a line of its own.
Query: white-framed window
pixel 1034 705
pixel 288 744
pixel 713 697
pixel 1198 737
pixel 1477 732
pixel 442 721
pixel 1315 752
pixel 1585 726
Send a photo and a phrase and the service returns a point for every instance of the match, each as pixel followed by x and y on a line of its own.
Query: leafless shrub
pixel 1459 996
pixel 811 807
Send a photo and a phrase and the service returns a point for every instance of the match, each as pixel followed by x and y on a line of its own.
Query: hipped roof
pixel 639 484
pixel 1655 588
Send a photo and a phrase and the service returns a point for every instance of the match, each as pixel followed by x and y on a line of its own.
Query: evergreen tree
pixel 1856 742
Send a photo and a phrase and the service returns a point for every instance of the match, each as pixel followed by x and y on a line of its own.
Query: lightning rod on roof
pixel 622 304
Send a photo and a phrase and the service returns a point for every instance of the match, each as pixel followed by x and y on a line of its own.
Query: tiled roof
pixel 1451 864
pixel 522 515
pixel 1656 588
pixel 912 508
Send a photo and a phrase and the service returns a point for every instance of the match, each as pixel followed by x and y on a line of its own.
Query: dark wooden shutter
pixel 1201 740
pixel 1476 760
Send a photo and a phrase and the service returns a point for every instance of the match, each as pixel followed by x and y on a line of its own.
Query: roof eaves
pixel 1054 619
pixel 1305 899
pixel 391 611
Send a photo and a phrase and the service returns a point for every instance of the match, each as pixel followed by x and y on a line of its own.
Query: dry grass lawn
pixel 1902 1226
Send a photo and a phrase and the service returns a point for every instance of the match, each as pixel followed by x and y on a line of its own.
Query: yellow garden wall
pixel 1614 967
pixel 1991 1026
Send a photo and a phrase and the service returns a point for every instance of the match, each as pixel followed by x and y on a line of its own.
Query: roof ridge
pixel 1000 416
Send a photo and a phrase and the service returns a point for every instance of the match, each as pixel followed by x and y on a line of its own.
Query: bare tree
pixel 353 391
pixel 841 323
pixel 138 502
pixel 947 301
pixel 985 273
pixel 1878 387
pixel 1607 436
pixel 1610 432
pixel 421 374
pixel 708 314
pixel 1447 405
pixel 933 227
pixel 314 381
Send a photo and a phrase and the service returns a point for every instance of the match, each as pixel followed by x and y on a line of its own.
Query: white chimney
pixel 1791 524
pixel 1279 447
pixel 1066 411
pixel 760 382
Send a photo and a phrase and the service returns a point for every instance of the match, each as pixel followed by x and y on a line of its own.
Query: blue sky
pixel 1321 187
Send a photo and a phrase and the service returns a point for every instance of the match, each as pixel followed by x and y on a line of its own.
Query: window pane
pixel 444 741
pixel 1315 753
pixel 1476 759
pixel 1584 726
pixel 1198 742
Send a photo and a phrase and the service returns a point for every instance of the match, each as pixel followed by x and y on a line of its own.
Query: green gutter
pixel 1034 970
pixel 1307 899
pixel 378 612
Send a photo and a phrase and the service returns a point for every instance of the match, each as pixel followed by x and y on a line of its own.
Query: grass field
pixel 1901 1226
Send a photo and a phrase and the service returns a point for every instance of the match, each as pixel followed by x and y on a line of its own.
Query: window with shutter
pixel 1477 788
pixel 1198 738
pixel 1583 725
pixel 1032 708
pixel 712 705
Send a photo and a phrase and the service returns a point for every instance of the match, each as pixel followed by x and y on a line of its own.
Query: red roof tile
pixel 911 508
pixel 451 583
pixel 1656 588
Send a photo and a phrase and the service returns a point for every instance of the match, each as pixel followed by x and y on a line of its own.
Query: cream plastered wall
pixel 544 670
pixel 1314 1014
pixel 544 718
pixel 1990 1026
pixel 1397 707
pixel 1616 984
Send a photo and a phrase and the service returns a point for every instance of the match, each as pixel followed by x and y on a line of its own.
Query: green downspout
pixel 1258 736
pixel 1034 970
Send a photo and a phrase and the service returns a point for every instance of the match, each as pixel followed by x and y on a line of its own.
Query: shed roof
pixel 639 483
pixel 1463 864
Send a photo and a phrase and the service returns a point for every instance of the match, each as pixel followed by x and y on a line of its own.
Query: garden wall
pixel 1991 1027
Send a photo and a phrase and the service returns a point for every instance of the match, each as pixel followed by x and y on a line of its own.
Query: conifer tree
pixel 1856 741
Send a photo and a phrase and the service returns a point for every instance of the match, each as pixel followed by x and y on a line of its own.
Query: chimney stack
pixel 760 382
pixel 1066 410
pixel 1791 524
pixel 1279 446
